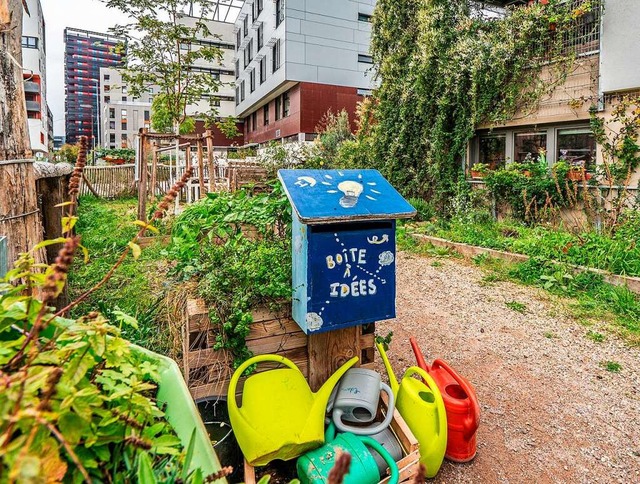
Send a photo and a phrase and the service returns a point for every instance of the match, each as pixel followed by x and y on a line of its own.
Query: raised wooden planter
pixel 208 371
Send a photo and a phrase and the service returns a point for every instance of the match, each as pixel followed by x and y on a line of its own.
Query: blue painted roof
pixel 325 196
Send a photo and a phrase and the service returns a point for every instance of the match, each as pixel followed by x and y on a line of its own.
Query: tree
pixel 162 51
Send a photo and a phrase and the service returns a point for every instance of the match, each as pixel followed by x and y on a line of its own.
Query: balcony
pixel 33 106
pixel 32 87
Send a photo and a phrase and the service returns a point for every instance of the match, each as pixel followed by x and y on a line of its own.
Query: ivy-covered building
pixel 605 41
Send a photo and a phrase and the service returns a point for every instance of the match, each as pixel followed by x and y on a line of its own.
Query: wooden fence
pixel 109 181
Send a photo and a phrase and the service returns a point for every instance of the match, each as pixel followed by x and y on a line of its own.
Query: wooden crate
pixel 407 465
pixel 209 371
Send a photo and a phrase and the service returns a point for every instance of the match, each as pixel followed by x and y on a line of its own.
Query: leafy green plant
pixel 595 336
pixel 611 366
pixel 385 341
pixel 425 210
pixel 516 306
pixel 237 246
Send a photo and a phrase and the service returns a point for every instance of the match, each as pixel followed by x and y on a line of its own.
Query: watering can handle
pixel 231 393
pixel 442 413
pixel 471 425
pixel 393 466
pixel 337 417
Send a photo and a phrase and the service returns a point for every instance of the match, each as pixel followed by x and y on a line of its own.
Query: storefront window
pixel 577 147
pixel 492 151
pixel 528 145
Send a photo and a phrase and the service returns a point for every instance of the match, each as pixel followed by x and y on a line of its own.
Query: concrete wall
pixel 620 57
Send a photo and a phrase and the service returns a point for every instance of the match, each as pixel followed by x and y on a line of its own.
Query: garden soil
pixel 550 410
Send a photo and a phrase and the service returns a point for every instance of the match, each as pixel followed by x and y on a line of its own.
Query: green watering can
pixel 280 417
pixel 423 410
pixel 314 467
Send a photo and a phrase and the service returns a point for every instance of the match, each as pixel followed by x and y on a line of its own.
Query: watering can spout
pixel 324 393
pixel 419 357
pixel 393 381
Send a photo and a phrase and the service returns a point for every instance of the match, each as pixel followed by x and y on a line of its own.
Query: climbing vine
pixel 446 67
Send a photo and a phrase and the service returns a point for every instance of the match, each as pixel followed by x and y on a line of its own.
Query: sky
pixel 59 14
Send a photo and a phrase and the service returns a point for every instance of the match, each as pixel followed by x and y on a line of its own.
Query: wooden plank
pixel 329 351
pixel 208 357
pixel 400 428
pixel 197 315
pixel 367 340
pixel 277 344
pixel 272 328
pixel 263 313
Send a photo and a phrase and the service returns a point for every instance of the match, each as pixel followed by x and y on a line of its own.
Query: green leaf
pixel 72 427
pixel 189 455
pixel 147 226
pixel 145 469
pixel 68 223
pixel 46 243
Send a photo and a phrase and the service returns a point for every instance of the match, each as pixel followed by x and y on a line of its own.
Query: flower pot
pixel 181 411
pixel 527 173
pixel 477 174
pixel 575 175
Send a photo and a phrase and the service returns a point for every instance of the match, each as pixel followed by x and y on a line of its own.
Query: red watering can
pixel 461 404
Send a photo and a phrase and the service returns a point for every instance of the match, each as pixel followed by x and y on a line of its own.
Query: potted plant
pixel 479 170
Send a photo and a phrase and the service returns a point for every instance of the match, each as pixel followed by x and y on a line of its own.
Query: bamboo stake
pixel 154 167
pixel 201 168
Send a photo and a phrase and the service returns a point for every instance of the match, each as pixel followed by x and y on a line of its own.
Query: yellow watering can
pixel 280 417
pixel 422 407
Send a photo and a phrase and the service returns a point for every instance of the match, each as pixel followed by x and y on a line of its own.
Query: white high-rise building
pixel 34 52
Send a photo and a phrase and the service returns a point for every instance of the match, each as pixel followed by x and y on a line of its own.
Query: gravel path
pixel 550 411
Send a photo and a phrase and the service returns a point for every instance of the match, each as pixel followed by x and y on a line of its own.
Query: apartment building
pixel 605 41
pixel 296 60
pixel 85 53
pixel 121 116
pixel 34 53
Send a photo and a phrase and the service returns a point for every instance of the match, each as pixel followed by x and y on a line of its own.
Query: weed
pixel 595 336
pixel 549 335
pixel 480 259
pixel 611 366
pixel 516 306
pixel 491 278
pixel 436 263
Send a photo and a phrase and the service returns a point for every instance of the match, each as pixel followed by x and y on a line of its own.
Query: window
pixel 365 59
pixel 275 52
pixel 245 27
pixel 363 17
pixel 265 114
pixel 123 125
pixel 238 39
pixel 286 103
pixel 107 99
pixel 124 98
pixel 260 36
pixel 107 77
pixel 492 151
pixel 112 125
pixel 29 42
pixel 112 137
pixel 528 145
pixel 246 57
pixel 247 123
pixel 123 114
pixel 237 68
pixel 279 12
pixel 250 49
pixel 278 108
pixel 147 115
pixel 112 113
pixel 577 146
pixel 241 91
pixel 252 80
pixel 123 137
pixel 107 88
pixel 259 6
pixel 237 96
pixel 263 70
pixel 254 120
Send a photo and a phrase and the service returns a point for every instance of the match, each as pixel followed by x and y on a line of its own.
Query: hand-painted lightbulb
pixel 352 191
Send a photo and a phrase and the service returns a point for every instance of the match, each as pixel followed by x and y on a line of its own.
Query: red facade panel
pixel 308 104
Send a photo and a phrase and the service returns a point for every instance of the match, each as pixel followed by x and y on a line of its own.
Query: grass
pixel 618 252
pixel 137 287
pixel 611 366
pixel 595 336
pixel 516 306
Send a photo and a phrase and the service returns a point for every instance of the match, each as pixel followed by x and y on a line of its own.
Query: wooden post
pixel 142 174
pixel 201 168
pixel 188 157
pixel 329 351
pixel 154 169
pixel 212 172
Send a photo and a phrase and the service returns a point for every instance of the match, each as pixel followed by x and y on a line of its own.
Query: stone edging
pixel 469 251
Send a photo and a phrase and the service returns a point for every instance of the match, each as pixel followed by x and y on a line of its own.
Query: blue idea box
pixel 343 246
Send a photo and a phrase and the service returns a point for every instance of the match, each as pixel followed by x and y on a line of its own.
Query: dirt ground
pixel 550 411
